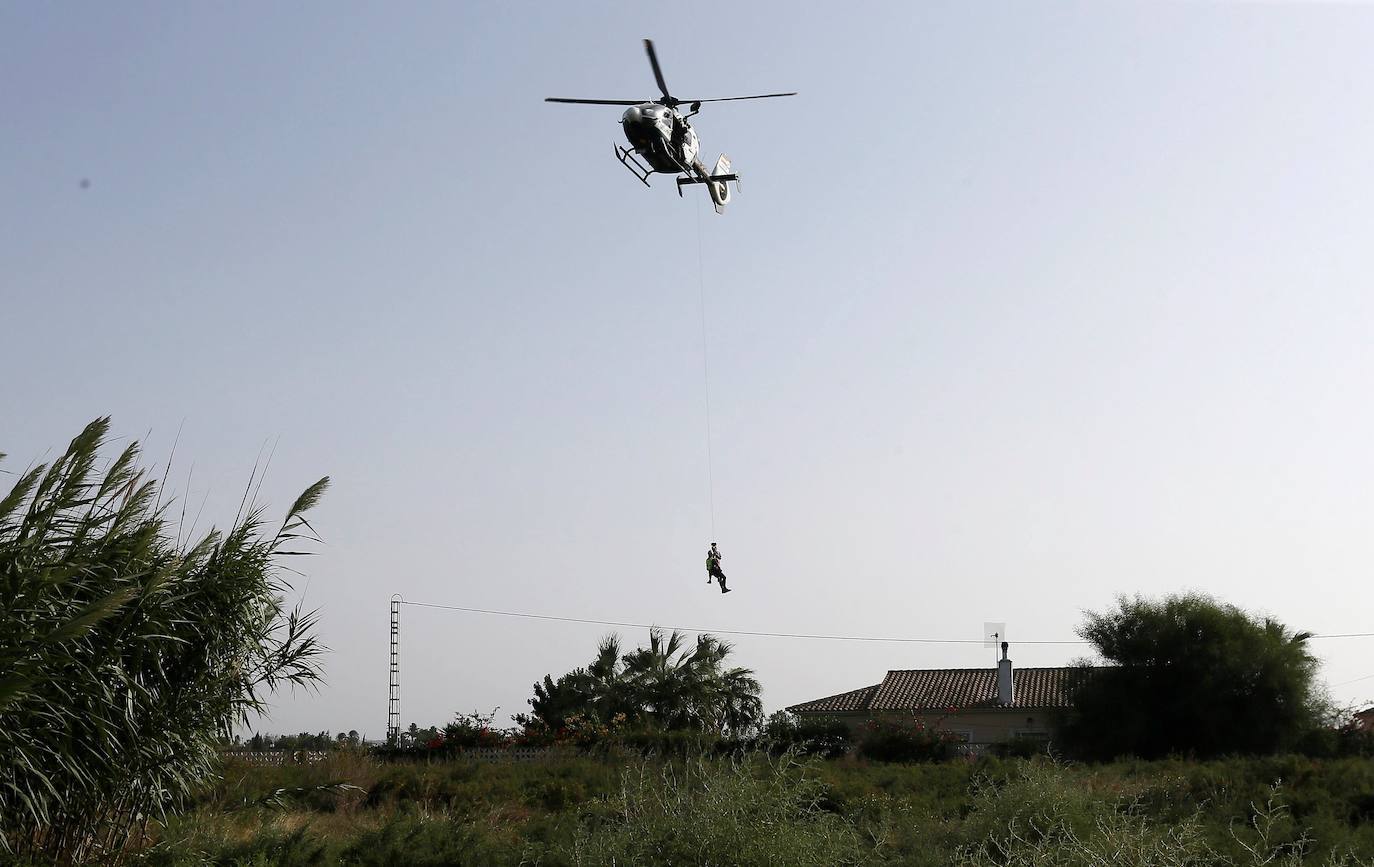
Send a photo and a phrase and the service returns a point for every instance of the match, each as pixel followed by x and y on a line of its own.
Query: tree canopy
pixel 1192 675
pixel 671 684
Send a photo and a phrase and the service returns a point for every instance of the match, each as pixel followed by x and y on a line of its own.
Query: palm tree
pixel 676 685
pixel 605 681
pixel 727 699
pixel 664 681
pixel 670 684
pixel 738 706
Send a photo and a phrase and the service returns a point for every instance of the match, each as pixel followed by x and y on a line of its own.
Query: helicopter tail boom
pixel 717 182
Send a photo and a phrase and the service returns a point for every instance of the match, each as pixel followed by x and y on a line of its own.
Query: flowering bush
pixel 469 731
pixel 908 739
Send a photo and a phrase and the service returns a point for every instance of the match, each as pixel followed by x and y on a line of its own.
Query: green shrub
pixel 1048 818
pixel 635 810
pixel 753 812
pixel 416 841
pixel 269 848
pixel 826 737
pixel 1021 748
pixel 889 739
pixel 475 731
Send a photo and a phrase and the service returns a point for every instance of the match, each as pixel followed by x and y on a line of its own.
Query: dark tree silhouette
pixel 1195 676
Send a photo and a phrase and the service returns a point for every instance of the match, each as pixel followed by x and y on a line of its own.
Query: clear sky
pixel 1022 306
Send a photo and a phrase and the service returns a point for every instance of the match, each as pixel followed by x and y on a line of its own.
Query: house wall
pixel 981 726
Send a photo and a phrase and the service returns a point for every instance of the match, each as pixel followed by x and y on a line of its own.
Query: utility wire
pixel 706 376
pixel 761 634
pixel 1356 680
pixel 720 631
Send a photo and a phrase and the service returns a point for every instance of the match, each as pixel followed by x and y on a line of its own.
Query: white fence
pixel 476 754
pixel 275 757
pixel 514 754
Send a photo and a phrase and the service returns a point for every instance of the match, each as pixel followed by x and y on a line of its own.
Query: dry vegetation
pixel 756 809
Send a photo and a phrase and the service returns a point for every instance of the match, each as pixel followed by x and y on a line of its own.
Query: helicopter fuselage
pixel 661 139
pixel 662 136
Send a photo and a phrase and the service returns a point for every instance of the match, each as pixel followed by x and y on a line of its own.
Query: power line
pixel 762 634
pixel 804 635
pixel 1356 680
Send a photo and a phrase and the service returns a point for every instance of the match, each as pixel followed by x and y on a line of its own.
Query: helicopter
pixel 662 140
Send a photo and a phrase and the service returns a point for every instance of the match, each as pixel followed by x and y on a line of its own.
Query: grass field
pixel 777 810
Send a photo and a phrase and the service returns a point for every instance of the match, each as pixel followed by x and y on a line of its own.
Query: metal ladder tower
pixel 393 704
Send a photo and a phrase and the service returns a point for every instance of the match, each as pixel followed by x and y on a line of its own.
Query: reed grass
pixel 127 653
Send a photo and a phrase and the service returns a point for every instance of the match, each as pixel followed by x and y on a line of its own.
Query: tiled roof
pixel 960 688
pixel 855 699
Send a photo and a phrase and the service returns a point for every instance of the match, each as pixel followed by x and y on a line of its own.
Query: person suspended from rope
pixel 713 568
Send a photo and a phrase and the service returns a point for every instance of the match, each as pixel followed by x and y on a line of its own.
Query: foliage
pixel 668 685
pixel 826 737
pixel 1192 675
pixel 299 741
pixel 1338 741
pixel 127 653
pixel 571 807
pixel 906 739
pixel 1021 748
pixel 700 812
pixel 1040 819
pixel 469 730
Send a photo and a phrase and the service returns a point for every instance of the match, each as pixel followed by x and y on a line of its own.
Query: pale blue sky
pixel 1022 306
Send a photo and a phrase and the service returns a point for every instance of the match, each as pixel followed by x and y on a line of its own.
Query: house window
pixel 1039 735
pixel 961 736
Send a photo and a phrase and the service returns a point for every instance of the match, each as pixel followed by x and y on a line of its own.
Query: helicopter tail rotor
pixel 717 181
pixel 720 190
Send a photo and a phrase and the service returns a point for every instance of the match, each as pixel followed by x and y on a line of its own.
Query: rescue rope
pixel 706 377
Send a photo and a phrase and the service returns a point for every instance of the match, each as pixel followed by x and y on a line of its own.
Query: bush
pixel 826 737
pixel 587 810
pixel 906 740
pixel 1343 742
pixel 1046 818
pixel 420 842
pixel 1021 748
pixel 475 731
pixel 700 812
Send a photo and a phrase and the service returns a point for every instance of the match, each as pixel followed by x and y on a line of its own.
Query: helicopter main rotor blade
pixel 658 73
pixel 733 98
pixel 597 101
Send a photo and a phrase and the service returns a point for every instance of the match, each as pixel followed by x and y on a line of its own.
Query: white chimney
pixel 1005 696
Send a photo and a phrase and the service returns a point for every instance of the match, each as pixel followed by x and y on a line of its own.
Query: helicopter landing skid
pixel 630 161
pixel 681 182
